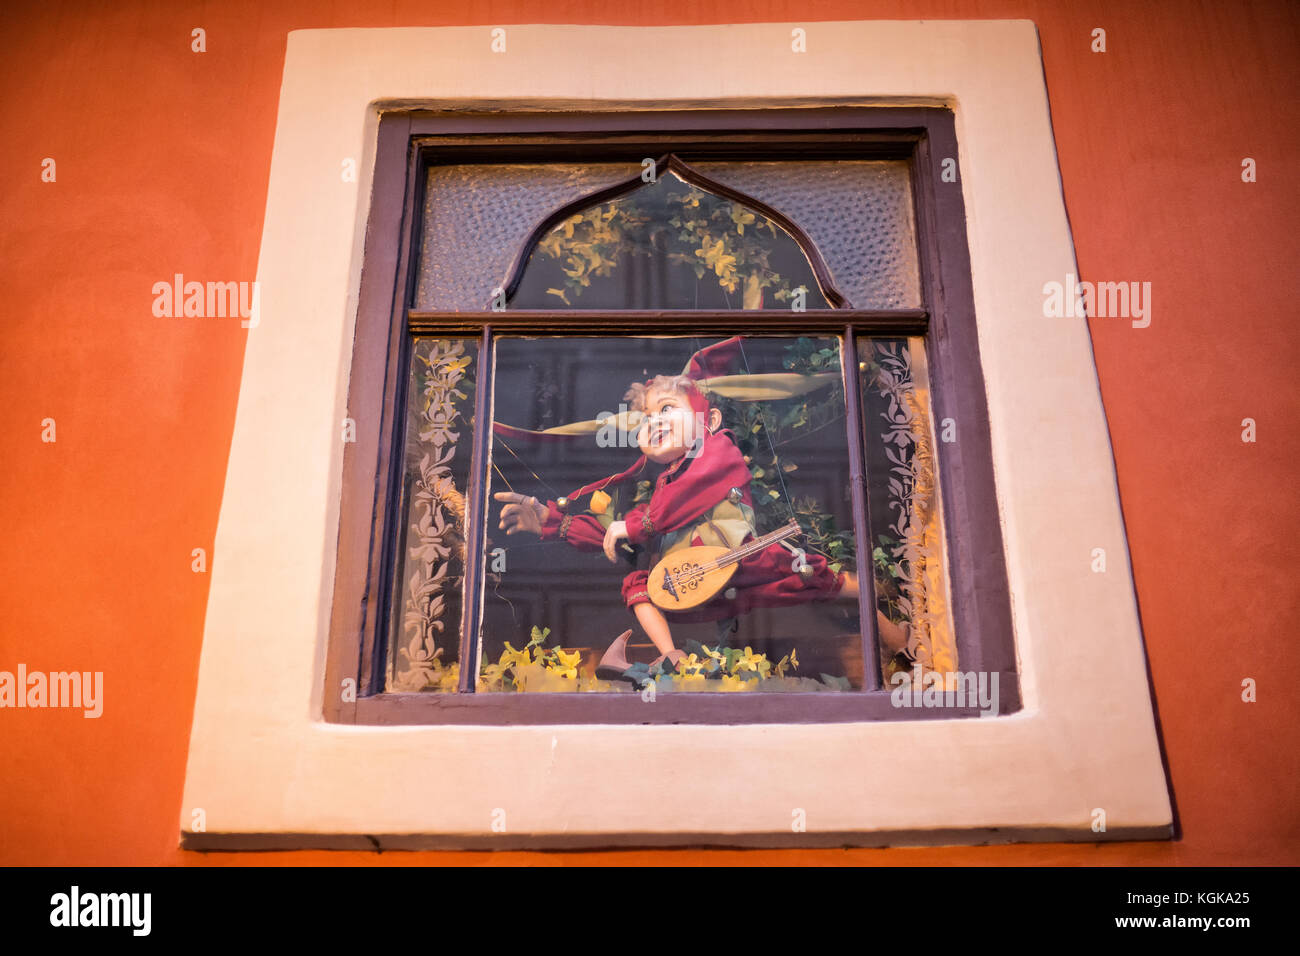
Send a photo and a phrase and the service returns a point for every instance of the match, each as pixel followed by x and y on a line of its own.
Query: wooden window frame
pixel 407 142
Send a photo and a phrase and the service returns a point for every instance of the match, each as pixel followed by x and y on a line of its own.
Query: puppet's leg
pixel 615 659
pixel 650 618
pixel 656 628
pixel 892 636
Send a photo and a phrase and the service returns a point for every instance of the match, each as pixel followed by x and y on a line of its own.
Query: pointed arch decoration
pixel 671 163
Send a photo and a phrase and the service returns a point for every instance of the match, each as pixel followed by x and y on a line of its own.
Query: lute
pixel 691 576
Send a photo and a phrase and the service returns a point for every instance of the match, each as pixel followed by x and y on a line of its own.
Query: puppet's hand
pixel 521 513
pixel 616 532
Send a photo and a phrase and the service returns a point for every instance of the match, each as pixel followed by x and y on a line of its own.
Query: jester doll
pixel 702 498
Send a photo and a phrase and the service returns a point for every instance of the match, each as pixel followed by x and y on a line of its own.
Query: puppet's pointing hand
pixel 613 534
pixel 521 513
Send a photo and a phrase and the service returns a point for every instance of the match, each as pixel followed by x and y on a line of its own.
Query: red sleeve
pixel 702 483
pixel 582 531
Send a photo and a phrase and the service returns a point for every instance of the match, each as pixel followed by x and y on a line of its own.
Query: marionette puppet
pixel 707 561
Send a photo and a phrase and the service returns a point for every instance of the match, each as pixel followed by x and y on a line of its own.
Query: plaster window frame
pixel 268 770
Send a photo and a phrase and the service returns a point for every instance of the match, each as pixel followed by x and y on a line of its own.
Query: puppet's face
pixel 671 427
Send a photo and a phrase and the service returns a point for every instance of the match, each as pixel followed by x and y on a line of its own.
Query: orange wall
pixel 163 157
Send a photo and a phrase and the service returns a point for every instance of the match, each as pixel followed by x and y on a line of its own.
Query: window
pixel 538 275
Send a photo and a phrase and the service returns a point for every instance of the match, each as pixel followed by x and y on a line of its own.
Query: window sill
pixel 684 707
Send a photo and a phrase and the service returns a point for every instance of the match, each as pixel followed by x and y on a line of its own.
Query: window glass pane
pixel 424 630
pixel 564 421
pixel 477 217
pixel 906 508
pixel 858 213
pixel 668 245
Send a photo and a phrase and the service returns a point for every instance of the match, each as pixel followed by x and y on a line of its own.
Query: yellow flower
pixel 491 677
pixel 599 502
pixel 567 664
pixel 513 658
pixel 741 218
pixel 715 257
pixel 690 666
pixel 449 679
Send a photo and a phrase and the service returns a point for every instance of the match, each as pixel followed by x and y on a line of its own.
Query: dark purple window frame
pixel 408 142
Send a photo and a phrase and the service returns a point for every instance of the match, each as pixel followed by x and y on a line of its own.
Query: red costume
pixel 683 496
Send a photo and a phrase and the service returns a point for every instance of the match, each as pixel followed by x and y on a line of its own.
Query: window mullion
pixel 871 678
pixel 476 517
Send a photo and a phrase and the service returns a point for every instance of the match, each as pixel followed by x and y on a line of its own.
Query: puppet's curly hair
pixel 674 384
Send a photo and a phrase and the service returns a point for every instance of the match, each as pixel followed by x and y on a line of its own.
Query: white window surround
pixel 267 771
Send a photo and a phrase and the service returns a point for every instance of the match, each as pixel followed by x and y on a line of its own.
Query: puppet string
pixel 526 468
pixel 811 431
pixel 497 469
pixel 785 492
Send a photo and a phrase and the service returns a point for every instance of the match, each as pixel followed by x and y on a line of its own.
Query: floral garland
pixel 707 235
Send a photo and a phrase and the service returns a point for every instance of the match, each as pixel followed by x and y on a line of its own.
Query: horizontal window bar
pixel 899 322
